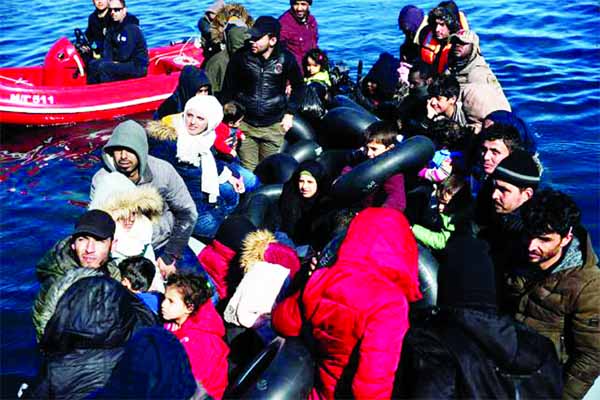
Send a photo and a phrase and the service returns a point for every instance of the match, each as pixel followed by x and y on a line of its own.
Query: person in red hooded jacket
pixel 356 311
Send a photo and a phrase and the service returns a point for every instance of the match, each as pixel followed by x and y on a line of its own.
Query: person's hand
pixel 288 89
pixel 230 141
pixel 287 122
pixel 238 184
pixel 85 49
pixel 431 113
pixel 164 268
pixel 233 153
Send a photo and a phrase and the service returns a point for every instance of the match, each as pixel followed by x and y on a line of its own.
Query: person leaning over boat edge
pixel 125 53
pixel 127 153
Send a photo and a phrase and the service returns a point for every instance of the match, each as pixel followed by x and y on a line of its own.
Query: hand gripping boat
pixel 56 93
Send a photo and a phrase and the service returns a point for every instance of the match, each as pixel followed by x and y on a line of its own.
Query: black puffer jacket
pixel 259 85
pixel 466 353
pixel 86 335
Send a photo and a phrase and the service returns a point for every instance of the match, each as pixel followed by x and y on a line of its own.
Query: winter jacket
pixel 216 66
pixel 298 36
pixel 224 132
pixel 480 90
pixel 202 337
pixel 125 43
pixel 190 80
pixel 179 213
pixel 563 304
pixel 154 366
pixel 356 311
pixel 470 354
pixel 260 84
pixel 216 258
pixel 92 319
pixel 57 262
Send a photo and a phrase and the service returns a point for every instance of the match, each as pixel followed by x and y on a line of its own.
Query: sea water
pixel 544 53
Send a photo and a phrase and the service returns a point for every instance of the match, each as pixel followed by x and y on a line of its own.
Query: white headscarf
pixel 195 149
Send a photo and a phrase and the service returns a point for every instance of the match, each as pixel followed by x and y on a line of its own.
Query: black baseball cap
pixel 95 223
pixel 264 25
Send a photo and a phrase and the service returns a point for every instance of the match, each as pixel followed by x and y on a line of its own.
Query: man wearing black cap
pixel 464 349
pixel 88 247
pixel 257 76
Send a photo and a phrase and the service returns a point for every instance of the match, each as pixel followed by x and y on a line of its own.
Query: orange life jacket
pixel 432 52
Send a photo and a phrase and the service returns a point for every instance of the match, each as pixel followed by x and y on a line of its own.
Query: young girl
pixel 454 206
pixel 316 67
pixel 191 316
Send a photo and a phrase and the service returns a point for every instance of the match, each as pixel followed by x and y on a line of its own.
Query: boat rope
pixel 19 81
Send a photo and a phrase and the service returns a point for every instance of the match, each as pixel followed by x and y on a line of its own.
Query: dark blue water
pixel 544 53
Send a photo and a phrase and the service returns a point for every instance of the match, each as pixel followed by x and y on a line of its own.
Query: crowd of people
pixel 517 309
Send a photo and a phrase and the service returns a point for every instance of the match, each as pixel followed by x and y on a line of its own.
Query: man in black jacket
pixel 98 22
pixel 125 54
pixel 257 76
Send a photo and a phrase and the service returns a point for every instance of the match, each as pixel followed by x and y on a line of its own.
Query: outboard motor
pixel 63 65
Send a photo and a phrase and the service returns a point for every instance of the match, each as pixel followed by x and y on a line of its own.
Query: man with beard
pixel 299 30
pixel 557 292
pixel 127 152
pixel 480 91
pixel 257 76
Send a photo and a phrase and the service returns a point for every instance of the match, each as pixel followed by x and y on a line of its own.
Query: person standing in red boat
pixel 125 53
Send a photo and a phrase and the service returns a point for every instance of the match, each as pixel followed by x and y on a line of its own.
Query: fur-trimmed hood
pixel 119 197
pixel 235 14
pixel 163 130
pixel 254 248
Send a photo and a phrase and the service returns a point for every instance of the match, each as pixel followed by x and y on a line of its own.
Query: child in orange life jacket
pixel 228 139
pixel 316 67
pixel 192 318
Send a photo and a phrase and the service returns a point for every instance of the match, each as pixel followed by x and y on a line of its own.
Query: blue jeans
pixel 251 181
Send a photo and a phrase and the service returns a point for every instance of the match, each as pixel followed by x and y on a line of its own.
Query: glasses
pixel 116 9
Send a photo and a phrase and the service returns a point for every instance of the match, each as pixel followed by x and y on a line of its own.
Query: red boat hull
pixel 26 98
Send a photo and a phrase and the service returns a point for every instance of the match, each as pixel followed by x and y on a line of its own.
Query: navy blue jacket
pixel 125 42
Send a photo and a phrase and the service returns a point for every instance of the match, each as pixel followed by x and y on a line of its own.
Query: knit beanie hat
pixel 233 231
pixel 292 2
pixel 410 18
pixel 518 169
pixel 467 278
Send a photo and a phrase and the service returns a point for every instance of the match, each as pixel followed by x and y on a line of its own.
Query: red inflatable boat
pixel 56 93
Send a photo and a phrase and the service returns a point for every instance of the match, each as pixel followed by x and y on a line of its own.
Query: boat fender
pixel 428 283
pixel 300 129
pixel 257 210
pixel 303 150
pixel 272 192
pixel 371 174
pixel 344 128
pixel 341 100
pixel 276 168
pixel 284 369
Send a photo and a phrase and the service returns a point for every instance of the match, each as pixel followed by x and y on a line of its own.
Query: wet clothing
pixel 468 353
pixel 298 36
pixel 350 310
pixel 92 319
pixel 259 85
pixel 190 80
pixel 57 261
pixel 480 90
pixel 179 214
pixel 216 66
pixel 202 337
pixel 563 304
pixel 125 54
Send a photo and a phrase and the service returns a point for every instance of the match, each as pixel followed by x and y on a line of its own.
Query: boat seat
pixel 170 63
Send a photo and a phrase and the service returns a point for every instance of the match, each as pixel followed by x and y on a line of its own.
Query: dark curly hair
pixel 550 211
pixel 447 133
pixel 446 86
pixel 194 288
pixel 318 56
pixel 445 15
pixel 507 133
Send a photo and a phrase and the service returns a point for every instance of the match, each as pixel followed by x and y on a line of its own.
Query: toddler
pixel 137 274
pixel 316 67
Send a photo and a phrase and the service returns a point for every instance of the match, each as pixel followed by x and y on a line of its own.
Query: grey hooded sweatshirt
pixel 179 213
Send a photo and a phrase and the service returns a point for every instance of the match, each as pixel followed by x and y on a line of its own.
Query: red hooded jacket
pixel 202 337
pixel 215 258
pixel 362 300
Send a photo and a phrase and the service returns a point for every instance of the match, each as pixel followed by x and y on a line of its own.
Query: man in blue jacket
pixel 125 54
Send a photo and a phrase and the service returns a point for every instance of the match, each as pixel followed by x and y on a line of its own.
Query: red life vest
pixel 432 52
